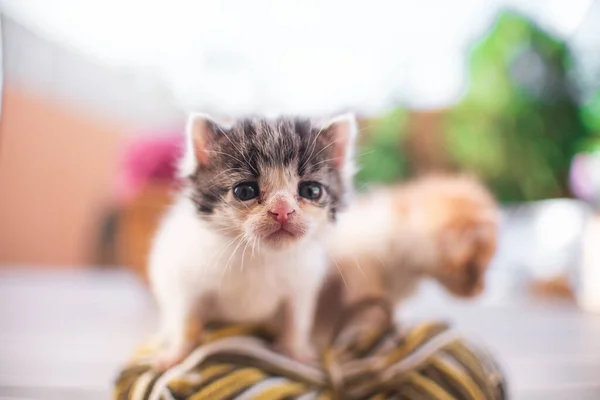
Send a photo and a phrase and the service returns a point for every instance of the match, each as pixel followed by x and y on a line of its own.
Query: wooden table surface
pixel 63 335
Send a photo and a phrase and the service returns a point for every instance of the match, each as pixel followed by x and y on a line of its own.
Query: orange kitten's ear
pixel 342 132
pixel 201 133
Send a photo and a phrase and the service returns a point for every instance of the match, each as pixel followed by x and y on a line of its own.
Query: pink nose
pixel 282 211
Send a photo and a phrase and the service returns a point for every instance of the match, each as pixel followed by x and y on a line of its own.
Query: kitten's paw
pixel 303 353
pixel 170 357
pixel 307 356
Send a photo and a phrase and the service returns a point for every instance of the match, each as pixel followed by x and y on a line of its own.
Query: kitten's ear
pixel 342 132
pixel 201 134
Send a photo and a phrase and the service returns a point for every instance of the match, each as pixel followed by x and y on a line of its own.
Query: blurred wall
pixel 108 92
pixel 56 175
pixel 63 116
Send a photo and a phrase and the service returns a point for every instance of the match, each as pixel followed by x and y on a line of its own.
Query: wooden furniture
pixel 64 335
pixel 137 225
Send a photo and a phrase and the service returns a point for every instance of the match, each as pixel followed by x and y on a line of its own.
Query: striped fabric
pixel 428 361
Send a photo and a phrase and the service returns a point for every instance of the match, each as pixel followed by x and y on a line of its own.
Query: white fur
pixel 190 262
pixel 197 271
pixel 370 243
pixel 366 225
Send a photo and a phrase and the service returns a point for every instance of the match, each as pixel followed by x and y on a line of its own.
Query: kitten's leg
pixel 182 327
pixel 296 333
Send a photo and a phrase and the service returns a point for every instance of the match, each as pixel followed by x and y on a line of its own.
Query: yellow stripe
pixel 464 355
pixel 230 384
pixel 281 391
pixel 413 340
pixel 429 386
pixel 367 340
pixel 185 386
pixel 378 397
pixel 215 370
pixel 180 386
pixel 145 351
pixel 469 362
pixel 128 379
pixel 235 330
pixel 461 378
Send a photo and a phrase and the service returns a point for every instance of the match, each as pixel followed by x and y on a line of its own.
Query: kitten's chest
pixel 252 295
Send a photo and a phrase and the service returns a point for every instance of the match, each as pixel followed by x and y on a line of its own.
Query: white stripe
pixel 241 345
pixel 167 395
pixel 308 396
pixel 260 387
pixel 422 354
pixel 141 384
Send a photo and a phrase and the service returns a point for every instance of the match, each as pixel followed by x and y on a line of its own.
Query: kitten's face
pixel 459 217
pixel 466 233
pixel 273 182
pixel 466 255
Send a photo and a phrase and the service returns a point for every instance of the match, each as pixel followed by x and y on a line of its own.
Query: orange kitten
pixel 442 227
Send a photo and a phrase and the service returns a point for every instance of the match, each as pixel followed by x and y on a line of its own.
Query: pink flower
pixel 585 177
pixel 149 159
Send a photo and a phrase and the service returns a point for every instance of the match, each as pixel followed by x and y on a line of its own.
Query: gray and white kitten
pixel 243 240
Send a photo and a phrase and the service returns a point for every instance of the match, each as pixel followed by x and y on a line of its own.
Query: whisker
pixel 362 186
pixel 324 161
pixel 234 206
pixel 323 149
pixel 313 146
pixel 339 270
pixel 224 270
pixel 365 153
pixel 232 254
pixel 244 254
pixel 366 128
pixel 225 154
pixel 226 171
pixel 222 249
pixel 331 159
pixel 226 230
pixel 380 260
pixel 359 268
pixel 241 152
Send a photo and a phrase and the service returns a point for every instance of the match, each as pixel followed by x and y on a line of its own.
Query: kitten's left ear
pixel 342 132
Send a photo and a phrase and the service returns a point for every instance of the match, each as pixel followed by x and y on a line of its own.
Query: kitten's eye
pixel 310 190
pixel 246 191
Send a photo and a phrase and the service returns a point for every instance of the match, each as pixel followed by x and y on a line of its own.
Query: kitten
pixel 442 227
pixel 243 240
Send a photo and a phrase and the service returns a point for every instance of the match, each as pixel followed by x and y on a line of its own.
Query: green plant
pixel 379 156
pixel 519 125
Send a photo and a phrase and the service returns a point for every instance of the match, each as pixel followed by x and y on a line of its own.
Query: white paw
pixel 171 356
pixel 304 353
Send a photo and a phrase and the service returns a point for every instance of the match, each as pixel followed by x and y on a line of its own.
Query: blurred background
pixel 95 94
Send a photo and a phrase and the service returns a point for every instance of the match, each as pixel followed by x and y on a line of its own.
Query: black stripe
pixel 446 381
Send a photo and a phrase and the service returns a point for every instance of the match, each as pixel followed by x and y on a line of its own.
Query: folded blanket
pixel 427 361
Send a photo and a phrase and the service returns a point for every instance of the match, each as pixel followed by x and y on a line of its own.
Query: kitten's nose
pixel 281 211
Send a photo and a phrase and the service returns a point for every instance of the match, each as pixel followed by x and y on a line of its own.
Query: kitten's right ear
pixel 201 131
pixel 201 134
